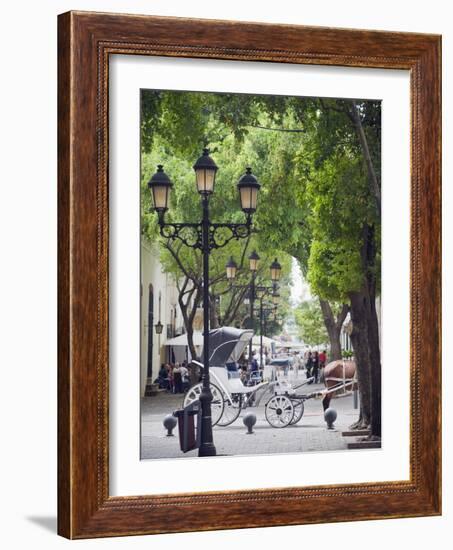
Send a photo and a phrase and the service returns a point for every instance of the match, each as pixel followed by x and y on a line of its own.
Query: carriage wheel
pixel 217 404
pixel 232 409
pixel 299 409
pixel 279 411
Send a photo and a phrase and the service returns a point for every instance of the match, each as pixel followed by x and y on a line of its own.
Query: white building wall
pixel 163 284
pixel 345 339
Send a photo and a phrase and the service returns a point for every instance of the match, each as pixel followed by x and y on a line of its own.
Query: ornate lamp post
pixel 275 298
pixel 205 236
pixel 267 312
pixel 257 292
pixel 254 261
pixel 231 269
pixel 276 270
pixel 262 292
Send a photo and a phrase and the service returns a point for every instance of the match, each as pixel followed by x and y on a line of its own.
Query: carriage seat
pixel 231 380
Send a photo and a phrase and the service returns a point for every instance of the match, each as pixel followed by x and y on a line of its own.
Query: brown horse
pixel 335 373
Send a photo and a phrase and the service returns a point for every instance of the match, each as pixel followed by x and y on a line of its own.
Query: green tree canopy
pixel 315 197
pixel 310 322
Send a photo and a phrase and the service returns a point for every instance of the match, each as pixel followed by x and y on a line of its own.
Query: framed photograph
pixel 249 275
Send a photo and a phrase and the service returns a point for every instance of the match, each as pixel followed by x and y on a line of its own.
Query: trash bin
pixel 189 426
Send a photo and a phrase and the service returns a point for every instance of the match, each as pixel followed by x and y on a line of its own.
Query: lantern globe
pixel 254 261
pixel 276 270
pixel 205 172
pixel 160 186
pixel 248 188
pixel 231 268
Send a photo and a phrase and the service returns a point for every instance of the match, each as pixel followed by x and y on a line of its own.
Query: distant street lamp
pixel 256 292
pixel 231 268
pixel 204 237
pixel 276 270
pixel 254 261
pixel 264 291
pixel 266 314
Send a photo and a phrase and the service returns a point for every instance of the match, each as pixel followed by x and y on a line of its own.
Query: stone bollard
pixel 249 421
pixel 169 424
pixel 330 415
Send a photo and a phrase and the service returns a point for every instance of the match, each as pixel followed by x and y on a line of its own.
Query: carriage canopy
pixel 226 345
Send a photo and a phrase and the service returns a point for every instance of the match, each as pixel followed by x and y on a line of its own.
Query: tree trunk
pixel 333 327
pixel 359 339
pixel 372 177
pixel 190 344
pixel 213 318
pixel 375 361
pixel 369 264
pixel 373 340
pixel 335 344
pixel 365 338
pixel 231 314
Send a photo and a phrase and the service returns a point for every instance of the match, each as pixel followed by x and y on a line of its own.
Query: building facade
pixel 345 335
pixel 159 302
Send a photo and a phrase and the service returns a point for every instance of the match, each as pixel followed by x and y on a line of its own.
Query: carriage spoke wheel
pixel 232 409
pixel 279 411
pixel 217 404
pixel 299 408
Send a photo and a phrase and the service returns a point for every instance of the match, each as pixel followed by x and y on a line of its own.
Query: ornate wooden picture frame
pixel 86 40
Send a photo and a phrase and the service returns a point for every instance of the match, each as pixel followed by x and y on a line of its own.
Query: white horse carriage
pixel 230 396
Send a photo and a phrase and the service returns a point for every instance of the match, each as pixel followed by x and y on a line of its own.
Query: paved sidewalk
pixel 310 434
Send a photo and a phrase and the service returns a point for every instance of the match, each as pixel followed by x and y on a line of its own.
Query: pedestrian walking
pixel 322 364
pixel 171 378
pixel 185 377
pixel 308 364
pixel 315 366
pixel 177 379
pixel 254 363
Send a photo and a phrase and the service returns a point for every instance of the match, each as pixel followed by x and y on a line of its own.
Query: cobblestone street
pixel 309 435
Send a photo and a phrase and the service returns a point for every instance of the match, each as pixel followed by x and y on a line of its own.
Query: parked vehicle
pixel 280 365
pixel 284 406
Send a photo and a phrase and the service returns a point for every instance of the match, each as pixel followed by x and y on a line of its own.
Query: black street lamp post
pixel 231 268
pixel 262 292
pixel 266 314
pixel 253 263
pixel 205 236
pixel 256 291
